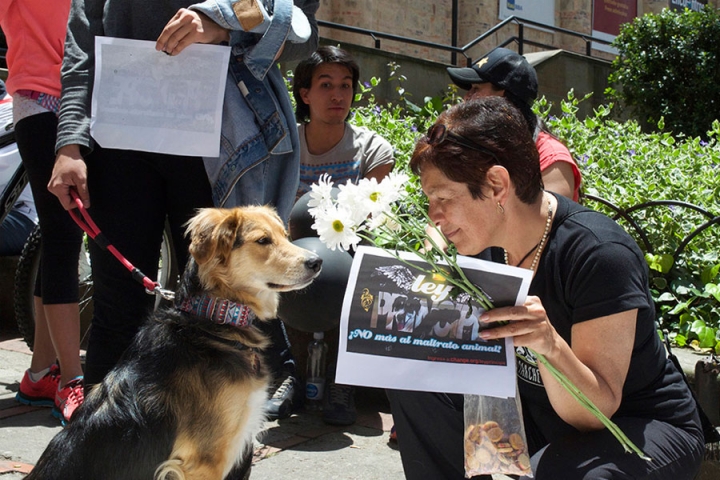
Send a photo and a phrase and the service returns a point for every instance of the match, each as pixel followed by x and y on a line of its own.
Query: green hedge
pixel 668 65
pixel 622 164
pixel 627 167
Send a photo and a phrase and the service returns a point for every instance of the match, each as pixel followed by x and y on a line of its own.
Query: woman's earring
pixel 500 209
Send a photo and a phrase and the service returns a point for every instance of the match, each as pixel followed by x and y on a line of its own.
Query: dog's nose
pixel 314 263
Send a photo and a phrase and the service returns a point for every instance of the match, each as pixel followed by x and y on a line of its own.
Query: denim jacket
pixel 259 151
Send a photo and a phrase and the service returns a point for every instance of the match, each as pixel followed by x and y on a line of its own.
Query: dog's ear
pixel 213 233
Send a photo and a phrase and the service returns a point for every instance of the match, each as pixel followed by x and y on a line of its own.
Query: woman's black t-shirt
pixel 592 268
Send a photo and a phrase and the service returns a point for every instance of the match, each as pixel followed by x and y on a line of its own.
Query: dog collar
pixel 218 310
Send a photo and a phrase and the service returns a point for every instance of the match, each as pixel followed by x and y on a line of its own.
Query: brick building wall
pixel 431 21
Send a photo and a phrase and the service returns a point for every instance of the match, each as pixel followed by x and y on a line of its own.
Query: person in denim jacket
pixel 134 192
pixel 259 159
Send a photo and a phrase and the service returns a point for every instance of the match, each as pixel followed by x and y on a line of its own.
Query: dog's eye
pixel 264 241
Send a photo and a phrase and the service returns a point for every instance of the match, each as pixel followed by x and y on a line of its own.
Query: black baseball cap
pixel 503 68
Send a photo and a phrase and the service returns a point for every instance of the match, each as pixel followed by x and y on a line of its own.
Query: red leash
pixel 86 223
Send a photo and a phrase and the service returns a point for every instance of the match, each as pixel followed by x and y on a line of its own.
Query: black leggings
pixel 430 430
pixel 131 195
pixel 61 237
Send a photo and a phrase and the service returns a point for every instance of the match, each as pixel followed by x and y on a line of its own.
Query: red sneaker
pixel 42 392
pixel 68 399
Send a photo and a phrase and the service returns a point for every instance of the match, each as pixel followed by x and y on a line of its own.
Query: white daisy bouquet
pixel 386 215
pixel 389 215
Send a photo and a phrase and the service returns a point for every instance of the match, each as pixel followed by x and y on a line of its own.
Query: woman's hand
pixel 69 172
pixel 188 27
pixel 434 238
pixel 528 324
pixel 597 363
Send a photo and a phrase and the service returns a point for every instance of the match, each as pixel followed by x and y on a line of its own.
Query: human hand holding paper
pixel 188 27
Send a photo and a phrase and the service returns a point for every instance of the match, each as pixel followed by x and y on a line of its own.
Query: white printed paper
pixel 402 329
pixel 147 100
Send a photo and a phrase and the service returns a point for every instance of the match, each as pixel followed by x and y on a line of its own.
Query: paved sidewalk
pixel 301 446
pixel 297 447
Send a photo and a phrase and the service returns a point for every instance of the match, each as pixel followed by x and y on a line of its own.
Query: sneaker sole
pixel 279 414
pixel 34 402
pixel 339 422
pixel 58 414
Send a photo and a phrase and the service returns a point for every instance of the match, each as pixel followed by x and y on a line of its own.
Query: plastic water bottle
pixel 315 379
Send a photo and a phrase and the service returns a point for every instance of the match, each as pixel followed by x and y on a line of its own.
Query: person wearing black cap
pixel 505 73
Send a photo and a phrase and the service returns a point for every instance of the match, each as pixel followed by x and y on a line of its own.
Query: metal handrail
pixel 626 214
pixel 375 35
pixel 519 38
pixel 454 50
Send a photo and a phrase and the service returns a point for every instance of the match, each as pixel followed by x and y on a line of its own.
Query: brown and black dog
pixel 187 399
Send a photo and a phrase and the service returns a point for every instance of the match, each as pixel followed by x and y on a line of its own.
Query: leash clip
pixel 86 223
pixel 163 292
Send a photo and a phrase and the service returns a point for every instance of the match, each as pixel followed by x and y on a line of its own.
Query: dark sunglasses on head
pixel 439 133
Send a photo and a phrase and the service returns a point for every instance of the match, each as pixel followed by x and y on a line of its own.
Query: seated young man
pixel 324 88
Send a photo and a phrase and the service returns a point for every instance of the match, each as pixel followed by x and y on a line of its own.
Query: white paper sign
pixel 401 328
pixel 149 101
pixel 541 11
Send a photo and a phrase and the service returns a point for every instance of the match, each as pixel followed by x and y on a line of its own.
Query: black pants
pixel 430 430
pixel 131 195
pixel 277 355
pixel 61 237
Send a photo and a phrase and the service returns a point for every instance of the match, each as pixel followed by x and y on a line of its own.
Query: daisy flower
pixel 336 228
pixel 321 192
pixel 352 197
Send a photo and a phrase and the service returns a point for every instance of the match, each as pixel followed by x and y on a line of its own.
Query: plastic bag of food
pixel 494 437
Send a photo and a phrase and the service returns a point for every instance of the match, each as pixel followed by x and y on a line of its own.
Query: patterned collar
pixel 218 310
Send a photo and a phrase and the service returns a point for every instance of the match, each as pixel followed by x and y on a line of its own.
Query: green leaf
pixel 706 337
pixel 698 326
pixel 714 290
pixel 685 323
pixel 709 273
pixel 666 297
pixel 660 263
pixel 681 306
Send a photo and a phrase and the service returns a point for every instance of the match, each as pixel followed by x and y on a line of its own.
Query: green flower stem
pixel 415 234
pixel 465 284
pixel 462 283
pixel 627 444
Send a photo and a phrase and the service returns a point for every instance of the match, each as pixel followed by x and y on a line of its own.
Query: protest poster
pixel 149 101
pixel 405 329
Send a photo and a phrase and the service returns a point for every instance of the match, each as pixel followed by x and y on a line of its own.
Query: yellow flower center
pixel 374 196
pixel 438 277
pixel 338 226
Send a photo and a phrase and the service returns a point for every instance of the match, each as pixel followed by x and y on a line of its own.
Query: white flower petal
pixel 336 229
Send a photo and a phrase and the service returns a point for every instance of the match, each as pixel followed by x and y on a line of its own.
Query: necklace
pixel 539 247
pixel 524 258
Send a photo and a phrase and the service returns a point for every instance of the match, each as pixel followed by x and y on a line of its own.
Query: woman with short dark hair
pixel 589 312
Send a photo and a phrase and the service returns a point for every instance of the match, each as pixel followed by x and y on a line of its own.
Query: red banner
pixel 608 15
